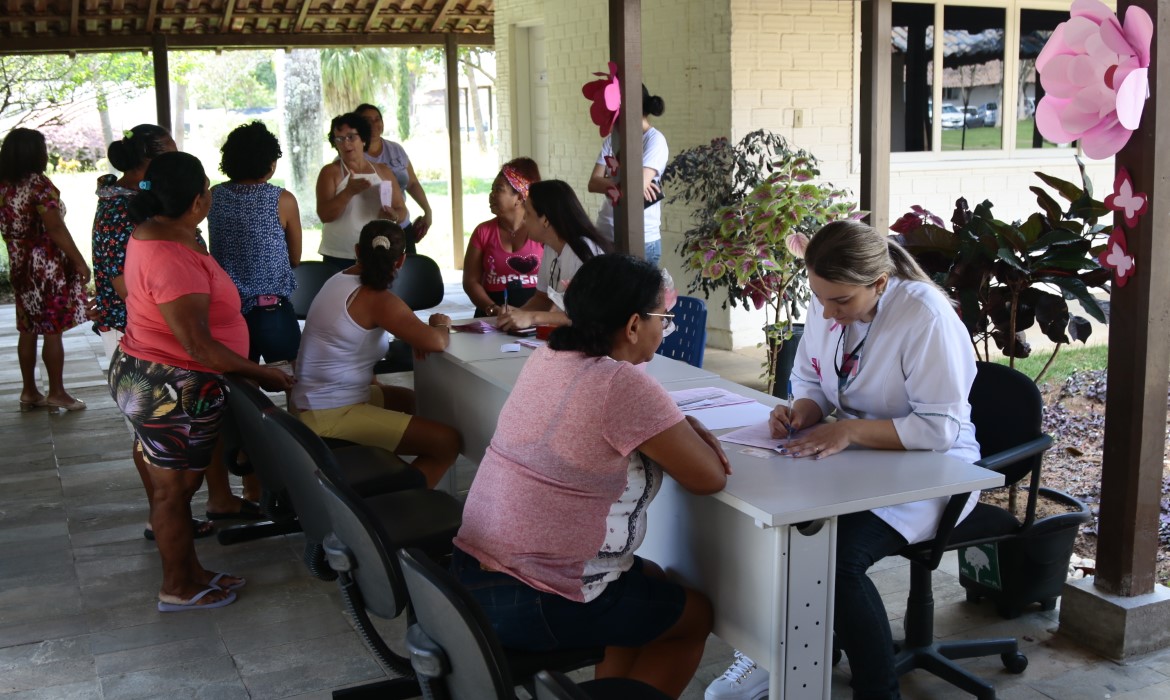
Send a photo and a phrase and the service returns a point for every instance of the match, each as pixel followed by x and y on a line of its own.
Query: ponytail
pixel 381 245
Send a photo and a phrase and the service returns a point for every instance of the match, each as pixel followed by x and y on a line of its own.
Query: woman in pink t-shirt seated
pixel 558 505
pixel 183 332
pixel 499 269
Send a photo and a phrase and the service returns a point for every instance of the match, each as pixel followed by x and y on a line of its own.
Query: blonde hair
pixel 850 252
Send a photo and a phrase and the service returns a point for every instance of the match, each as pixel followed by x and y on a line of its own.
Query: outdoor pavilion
pixel 1120 612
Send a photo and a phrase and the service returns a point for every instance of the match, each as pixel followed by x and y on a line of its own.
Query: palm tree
pixel 349 77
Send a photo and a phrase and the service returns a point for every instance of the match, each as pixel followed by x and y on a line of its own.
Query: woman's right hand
pixel 785 421
pixel 273 379
pixel 357 185
pixel 514 319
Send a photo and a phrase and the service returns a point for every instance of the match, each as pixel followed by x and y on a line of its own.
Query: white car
pixel 952 117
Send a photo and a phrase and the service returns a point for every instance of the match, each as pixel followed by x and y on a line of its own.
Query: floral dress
pixel 50 298
pixel 111 229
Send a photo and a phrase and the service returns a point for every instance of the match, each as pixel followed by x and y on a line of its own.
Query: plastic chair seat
pixel 372 470
pixel 418 518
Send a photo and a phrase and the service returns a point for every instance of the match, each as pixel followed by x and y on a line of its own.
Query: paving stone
pixel 154 656
pixel 306 666
pixel 206 679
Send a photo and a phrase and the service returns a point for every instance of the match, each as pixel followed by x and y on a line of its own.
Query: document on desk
pixel 755 435
pixel 733 416
pixel 475 327
pixel 706 397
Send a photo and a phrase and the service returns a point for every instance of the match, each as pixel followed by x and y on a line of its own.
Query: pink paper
pixel 386 190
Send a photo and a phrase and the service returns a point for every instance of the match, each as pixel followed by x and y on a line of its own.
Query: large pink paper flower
pixel 606 96
pixel 1095 74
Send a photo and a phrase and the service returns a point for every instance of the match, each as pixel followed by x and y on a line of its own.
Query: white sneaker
pixel 743 680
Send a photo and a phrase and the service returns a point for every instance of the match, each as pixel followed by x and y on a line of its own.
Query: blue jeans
pixel 273 332
pixel 654 251
pixel 859 617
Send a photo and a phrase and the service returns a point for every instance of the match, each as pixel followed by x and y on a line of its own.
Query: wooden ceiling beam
pixel 302 15
pixel 150 13
pixel 74 10
pixel 228 9
pixel 442 16
pixel 374 20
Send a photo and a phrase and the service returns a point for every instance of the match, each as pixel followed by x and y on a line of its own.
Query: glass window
pixel 1036 26
pixel 973 64
pixel 913 69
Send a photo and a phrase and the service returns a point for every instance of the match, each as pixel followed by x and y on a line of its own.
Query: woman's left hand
pixel 422 224
pixel 439 320
pixel 712 441
pixel 820 440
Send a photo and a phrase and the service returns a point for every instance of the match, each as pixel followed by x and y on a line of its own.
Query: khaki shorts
pixel 363 423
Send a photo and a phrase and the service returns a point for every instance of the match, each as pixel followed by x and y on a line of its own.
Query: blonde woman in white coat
pixel 884 350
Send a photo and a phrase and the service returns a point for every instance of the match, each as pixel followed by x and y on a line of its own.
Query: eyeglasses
pixel 346 138
pixel 667 323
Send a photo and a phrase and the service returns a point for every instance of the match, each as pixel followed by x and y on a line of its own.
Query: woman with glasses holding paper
pixel 884 350
pixel 352 191
pixel 558 505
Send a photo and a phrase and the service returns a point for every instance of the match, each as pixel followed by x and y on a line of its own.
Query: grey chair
pixel 311 275
pixel 419 283
pixel 456 655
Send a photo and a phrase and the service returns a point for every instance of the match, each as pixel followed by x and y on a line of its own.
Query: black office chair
pixel 456 655
pixel 689 339
pixel 419 283
pixel 554 685
pixel 1007 410
pixel 311 275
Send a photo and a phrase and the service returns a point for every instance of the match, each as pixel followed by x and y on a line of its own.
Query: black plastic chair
pixel 689 339
pixel 456 655
pixel 1007 410
pixel 299 452
pixel 311 275
pixel 554 685
pixel 419 283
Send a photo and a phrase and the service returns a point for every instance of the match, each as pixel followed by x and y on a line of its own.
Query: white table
pixel 763 549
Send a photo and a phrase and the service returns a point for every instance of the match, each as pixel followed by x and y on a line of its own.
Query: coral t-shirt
pixel 158 272
pixel 559 501
pixel 500 266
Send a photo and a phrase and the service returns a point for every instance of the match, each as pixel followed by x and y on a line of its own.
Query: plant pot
pixel 785 360
pixel 1029 568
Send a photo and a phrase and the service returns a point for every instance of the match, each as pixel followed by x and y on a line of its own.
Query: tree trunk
pixel 103 107
pixel 476 108
pixel 301 89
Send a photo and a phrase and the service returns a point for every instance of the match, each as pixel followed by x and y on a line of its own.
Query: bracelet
pixel 493 310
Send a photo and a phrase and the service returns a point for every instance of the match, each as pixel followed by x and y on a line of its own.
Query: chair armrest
pixel 1012 455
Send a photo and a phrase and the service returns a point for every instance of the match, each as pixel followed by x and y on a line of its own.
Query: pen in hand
pixel 791 430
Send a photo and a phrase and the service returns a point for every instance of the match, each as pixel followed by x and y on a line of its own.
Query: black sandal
pixel 199 528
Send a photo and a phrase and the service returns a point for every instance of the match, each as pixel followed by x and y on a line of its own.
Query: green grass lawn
pixel 1068 361
pixel 989 138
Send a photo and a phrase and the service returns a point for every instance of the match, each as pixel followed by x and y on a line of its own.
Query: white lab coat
pixel 916 368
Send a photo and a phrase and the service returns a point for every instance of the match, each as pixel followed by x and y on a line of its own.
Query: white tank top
pixel 338 237
pixel 336 362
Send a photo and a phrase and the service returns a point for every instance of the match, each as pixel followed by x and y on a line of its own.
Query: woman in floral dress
pixel 47 271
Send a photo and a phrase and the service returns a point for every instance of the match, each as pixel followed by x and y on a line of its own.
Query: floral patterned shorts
pixel 175 412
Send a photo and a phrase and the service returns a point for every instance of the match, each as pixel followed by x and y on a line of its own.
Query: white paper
pixel 510 347
pixel 706 397
pixel 754 435
pixel 386 191
pixel 732 416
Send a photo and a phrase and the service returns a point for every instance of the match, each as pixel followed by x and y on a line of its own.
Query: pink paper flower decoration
pixel 1117 258
pixel 1095 74
pixel 1124 200
pixel 606 96
pixel 612 166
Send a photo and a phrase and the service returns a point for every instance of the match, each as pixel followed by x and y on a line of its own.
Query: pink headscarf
pixel 516 180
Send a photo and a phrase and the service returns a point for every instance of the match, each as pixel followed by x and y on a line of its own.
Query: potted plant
pixel 1006 278
pixel 758 205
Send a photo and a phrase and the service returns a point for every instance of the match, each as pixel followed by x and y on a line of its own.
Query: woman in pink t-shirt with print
pixel 558 506
pixel 501 264
pixel 183 332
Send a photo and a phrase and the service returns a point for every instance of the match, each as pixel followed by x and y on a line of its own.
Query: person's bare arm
pixel 537 310
pixel 330 202
pixel 650 189
pixel 187 318
pixel 57 231
pixel 473 278
pixel 414 188
pixel 691 455
pixel 386 310
pixel 598 182
pixel 290 221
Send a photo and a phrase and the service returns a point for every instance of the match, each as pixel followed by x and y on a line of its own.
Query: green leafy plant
pixel 758 206
pixel 1008 277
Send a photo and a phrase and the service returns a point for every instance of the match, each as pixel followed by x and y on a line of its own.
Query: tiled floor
pixel 78 584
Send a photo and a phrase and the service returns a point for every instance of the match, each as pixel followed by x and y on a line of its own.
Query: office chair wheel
pixel 1014 662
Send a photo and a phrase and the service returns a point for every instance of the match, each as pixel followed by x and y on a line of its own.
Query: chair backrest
pixel 449 617
pixel 689 339
pixel 419 283
pixel 301 453
pixel 375 569
pixel 311 275
pixel 1007 410
pixel 247 405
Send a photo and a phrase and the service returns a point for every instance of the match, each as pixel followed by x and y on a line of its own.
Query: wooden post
pixel 876 18
pixel 1139 350
pixel 625 49
pixel 162 81
pixel 451 54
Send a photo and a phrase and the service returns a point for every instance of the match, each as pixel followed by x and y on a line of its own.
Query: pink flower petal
pixel 1139 29
pixel 1114 38
pixel 1131 98
pixel 1090 9
pixel 1056 46
pixel 1048 121
pixel 1105 140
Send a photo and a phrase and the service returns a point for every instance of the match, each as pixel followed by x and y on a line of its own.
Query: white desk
pixel 769 577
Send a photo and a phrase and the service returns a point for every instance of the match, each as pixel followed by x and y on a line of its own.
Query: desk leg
pixel 801 661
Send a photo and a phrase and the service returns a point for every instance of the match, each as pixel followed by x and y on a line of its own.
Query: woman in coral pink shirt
pixel 183 332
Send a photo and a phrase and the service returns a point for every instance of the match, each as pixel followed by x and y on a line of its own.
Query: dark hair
pixel 556 201
pixel 248 152
pixel 171 183
pixel 365 106
pixel 354 121
pixel 138 145
pixel 527 168
pixel 378 264
pixel 651 104
pixel 604 293
pixel 23 153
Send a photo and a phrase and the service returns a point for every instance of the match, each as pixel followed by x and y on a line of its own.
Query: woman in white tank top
pixel 349 191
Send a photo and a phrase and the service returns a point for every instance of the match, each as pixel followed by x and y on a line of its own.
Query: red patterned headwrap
pixel 516 180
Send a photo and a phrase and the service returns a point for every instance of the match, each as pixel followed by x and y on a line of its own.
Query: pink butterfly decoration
pixel 606 96
pixel 1124 200
pixel 612 166
pixel 1117 258
pixel 614 194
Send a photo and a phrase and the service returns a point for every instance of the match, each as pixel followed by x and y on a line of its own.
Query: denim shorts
pixel 632 611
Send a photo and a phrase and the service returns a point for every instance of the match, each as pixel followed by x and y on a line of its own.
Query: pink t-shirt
pixel 500 266
pixel 158 272
pixel 560 498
